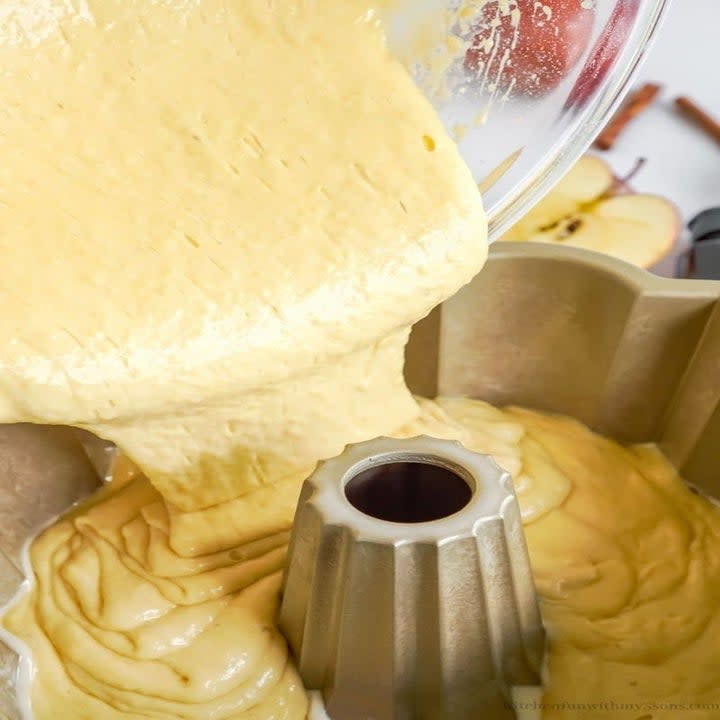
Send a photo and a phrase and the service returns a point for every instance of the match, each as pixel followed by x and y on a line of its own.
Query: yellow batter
pixel 219 219
pixel 626 559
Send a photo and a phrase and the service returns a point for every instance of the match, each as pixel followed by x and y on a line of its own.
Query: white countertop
pixel 683 164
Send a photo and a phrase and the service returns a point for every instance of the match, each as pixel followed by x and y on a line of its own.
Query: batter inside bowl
pixel 219 221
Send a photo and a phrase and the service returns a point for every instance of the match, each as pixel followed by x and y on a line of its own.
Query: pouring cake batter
pixel 219 221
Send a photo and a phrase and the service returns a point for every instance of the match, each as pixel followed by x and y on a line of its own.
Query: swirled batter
pixel 626 559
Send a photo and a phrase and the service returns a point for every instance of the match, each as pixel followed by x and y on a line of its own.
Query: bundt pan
pixel 408 593
pixel 634 356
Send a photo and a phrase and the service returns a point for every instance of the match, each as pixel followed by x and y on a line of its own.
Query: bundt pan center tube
pixel 408 592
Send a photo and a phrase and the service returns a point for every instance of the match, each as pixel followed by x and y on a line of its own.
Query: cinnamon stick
pixel 637 102
pixel 699 117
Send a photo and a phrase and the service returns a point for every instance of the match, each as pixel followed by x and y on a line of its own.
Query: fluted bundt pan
pixel 550 327
pixel 408 592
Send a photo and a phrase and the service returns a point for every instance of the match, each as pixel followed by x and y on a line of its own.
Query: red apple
pixel 607 49
pixel 527 44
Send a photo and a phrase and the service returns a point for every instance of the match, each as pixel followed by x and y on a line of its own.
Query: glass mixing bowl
pixel 525 86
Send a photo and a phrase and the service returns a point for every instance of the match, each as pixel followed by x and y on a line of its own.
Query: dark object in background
pixel 702 260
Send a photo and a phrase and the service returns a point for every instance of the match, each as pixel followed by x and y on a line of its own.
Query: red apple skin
pixel 546 48
pixel 604 55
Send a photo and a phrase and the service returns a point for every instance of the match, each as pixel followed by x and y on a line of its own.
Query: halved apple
pixel 590 208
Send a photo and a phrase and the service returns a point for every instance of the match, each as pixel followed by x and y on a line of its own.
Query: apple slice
pixel 588 180
pixel 585 210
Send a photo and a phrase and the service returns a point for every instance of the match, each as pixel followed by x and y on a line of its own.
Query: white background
pixel 682 163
